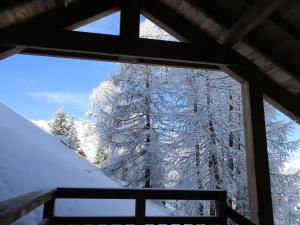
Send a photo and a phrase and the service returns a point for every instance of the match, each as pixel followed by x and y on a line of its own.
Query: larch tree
pixel 127 121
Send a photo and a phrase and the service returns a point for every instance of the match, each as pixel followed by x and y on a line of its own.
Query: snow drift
pixel 32 159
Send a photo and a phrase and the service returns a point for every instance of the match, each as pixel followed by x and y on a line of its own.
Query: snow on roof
pixel 32 159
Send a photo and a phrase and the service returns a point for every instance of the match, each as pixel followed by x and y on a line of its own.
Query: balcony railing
pixel 13 209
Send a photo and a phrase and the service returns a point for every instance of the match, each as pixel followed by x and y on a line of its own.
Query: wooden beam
pixel 260 10
pixel 133 220
pixel 275 94
pixel 130 20
pixel 185 31
pixel 112 46
pixel 182 29
pixel 13 209
pixel 71 17
pixel 258 174
pixel 133 193
pixel 6 51
pixel 84 56
pixel 9 4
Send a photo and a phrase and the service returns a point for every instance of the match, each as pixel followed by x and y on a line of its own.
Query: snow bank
pixel 32 159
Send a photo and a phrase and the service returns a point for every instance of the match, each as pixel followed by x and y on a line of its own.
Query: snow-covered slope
pixel 32 159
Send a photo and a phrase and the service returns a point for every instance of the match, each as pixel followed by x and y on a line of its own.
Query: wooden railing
pixel 16 208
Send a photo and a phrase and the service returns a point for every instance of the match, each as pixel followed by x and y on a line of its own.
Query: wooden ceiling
pixel 263 35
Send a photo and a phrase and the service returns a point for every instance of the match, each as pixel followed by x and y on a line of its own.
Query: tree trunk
pixel 213 161
pixel 147 175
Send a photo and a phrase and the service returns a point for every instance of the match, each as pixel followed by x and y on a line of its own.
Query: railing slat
pixel 133 220
pixel 91 220
pixel 13 209
pixel 140 210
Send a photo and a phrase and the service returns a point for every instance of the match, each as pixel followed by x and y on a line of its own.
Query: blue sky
pixel 36 86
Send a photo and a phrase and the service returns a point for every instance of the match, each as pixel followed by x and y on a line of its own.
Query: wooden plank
pixel 238 218
pixel 130 20
pixel 6 51
pixel 94 220
pixel 132 220
pixel 110 45
pixel 85 56
pixel 8 4
pixel 258 174
pixel 185 220
pixel 15 208
pixel 260 10
pixel 123 193
pixel 71 17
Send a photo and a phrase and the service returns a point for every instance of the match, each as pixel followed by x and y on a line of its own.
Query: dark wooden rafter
pixel 8 4
pixel 260 10
pixel 113 46
pixel 184 30
pixel 86 56
pixel 130 20
pixel 207 9
pixel 71 17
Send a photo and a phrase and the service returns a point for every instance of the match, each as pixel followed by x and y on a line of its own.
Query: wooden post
pixel 259 187
pixel 49 209
pixel 130 20
pixel 221 208
pixel 140 210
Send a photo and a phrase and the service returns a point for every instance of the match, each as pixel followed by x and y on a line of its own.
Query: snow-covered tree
pixel 63 125
pixel 60 123
pixel 128 118
pixel 89 138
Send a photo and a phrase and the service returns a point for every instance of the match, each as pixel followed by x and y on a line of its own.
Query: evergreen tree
pixel 59 124
pixel 128 120
pixel 64 125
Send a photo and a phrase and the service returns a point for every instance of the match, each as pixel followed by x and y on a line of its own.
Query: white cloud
pixel 80 99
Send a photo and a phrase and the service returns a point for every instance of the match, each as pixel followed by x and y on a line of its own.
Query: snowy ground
pixel 32 159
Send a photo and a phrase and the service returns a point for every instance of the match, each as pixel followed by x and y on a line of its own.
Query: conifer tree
pixel 64 125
